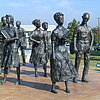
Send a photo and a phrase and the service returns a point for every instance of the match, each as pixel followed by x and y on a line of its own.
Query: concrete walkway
pixel 32 88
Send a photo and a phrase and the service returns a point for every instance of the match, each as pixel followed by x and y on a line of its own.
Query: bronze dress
pixel 62 68
pixel 2 38
pixel 11 57
pixel 38 55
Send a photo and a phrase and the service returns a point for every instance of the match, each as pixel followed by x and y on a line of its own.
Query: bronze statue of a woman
pixel 10 57
pixel 38 49
pixel 62 68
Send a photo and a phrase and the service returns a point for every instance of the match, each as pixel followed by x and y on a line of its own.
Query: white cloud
pixel 16 5
pixel 67 5
pixel 64 3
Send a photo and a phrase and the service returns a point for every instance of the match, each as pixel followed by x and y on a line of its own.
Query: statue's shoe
pixel 36 75
pixel 45 75
pixel 75 80
pixel 54 91
pixel 17 83
pixel 67 91
pixel 85 81
pixel 3 83
pixel 24 64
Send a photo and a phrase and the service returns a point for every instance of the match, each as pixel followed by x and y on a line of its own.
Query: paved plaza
pixel 32 88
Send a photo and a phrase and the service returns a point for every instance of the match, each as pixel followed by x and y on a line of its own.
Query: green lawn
pixel 21 58
pixel 94 59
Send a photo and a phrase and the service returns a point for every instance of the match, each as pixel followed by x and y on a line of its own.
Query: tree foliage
pixel 96 35
pixel 0 23
pixel 71 26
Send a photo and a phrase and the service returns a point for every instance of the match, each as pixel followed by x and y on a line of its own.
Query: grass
pixel 94 59
pixel 21 58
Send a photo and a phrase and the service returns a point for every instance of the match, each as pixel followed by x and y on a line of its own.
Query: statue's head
pixel 18 23
pixel 10 19
pixel 59 18
pixel 86 17
pixel 36 23
pixel 45 25
pixel 3 19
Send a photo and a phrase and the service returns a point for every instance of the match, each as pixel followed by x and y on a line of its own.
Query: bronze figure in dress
pixel 62 68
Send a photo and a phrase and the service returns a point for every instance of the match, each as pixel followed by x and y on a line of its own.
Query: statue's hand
pixel 17 38
pixel 45 50
pixel 90 48
pixel 38 42
pixel 75 49
pixel 52 56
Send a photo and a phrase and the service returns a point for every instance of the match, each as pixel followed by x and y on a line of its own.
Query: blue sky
pixel 28 10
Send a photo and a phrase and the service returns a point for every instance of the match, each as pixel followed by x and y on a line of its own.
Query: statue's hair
pixel 2 18
pixel 18 22
pixel 11 18
pixel 56 15
pixel 44 23
pixel 86 14
pixel 35 21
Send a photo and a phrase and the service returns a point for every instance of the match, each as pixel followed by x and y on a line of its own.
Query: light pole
pixel 98 64
pixel 98 28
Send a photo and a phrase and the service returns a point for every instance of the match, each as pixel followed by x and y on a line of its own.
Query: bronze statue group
pixel 46 46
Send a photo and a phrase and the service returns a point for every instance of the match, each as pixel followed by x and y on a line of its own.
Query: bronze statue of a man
pixel 38 49
pixel 47 42
pixel 83 40
pixel 10 57
pixel 62 68
pixel 22 40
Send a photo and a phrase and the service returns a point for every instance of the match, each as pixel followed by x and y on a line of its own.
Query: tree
pixel 0 23
pixel 96 35
pixel 71 26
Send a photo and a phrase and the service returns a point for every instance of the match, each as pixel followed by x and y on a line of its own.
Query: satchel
pixel 72 51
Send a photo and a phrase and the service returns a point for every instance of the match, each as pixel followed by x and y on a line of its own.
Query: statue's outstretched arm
pixel 75 39
pixel 32 39
pixel 12 39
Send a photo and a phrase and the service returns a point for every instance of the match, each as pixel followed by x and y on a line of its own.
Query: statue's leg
pixel 18 75
pixel 5 75
pixel 0 70
pixel 9 69
pixel 67 90
pixel 77 63
pixel 45 70
pixel 35 67
pixel 53 88
pixel 86 67
pixel 23 56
